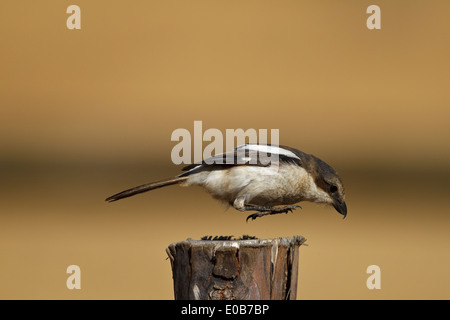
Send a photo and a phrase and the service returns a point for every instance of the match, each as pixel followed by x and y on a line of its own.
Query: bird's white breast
pixel 274 185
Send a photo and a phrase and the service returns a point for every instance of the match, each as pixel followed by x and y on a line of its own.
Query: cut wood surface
pixel 252 269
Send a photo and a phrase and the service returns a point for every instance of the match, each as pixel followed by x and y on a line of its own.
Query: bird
pixel 268 179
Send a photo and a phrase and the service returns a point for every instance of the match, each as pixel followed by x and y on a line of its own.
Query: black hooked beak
pixel 340 207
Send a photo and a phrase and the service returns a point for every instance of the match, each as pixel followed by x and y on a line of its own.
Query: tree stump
pixel 255 269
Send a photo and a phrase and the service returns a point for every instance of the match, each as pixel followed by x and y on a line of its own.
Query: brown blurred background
pixel 87 113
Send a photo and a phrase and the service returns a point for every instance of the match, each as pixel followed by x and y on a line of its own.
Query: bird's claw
pixel 253 216
pixel 274 211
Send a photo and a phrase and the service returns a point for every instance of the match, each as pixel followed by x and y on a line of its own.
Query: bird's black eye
pixel 333 189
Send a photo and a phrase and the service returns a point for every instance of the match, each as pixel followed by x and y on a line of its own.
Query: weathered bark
pixel 256 269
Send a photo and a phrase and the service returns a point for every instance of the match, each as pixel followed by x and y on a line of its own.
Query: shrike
pixel 267 179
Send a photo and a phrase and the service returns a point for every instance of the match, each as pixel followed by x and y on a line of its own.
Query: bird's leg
pixel 266 210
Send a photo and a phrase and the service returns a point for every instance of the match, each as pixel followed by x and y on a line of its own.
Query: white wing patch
pixel 268 149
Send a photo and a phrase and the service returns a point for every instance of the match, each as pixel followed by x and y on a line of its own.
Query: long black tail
pixel 145 188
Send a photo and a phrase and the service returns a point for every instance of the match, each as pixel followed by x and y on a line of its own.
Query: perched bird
pixel 267 179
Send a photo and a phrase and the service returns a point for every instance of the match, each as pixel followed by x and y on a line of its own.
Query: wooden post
pixel 255 269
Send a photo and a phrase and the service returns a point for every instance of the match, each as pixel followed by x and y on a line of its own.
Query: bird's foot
pixel 264 211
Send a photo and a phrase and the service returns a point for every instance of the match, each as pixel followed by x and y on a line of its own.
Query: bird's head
pixel 327 179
